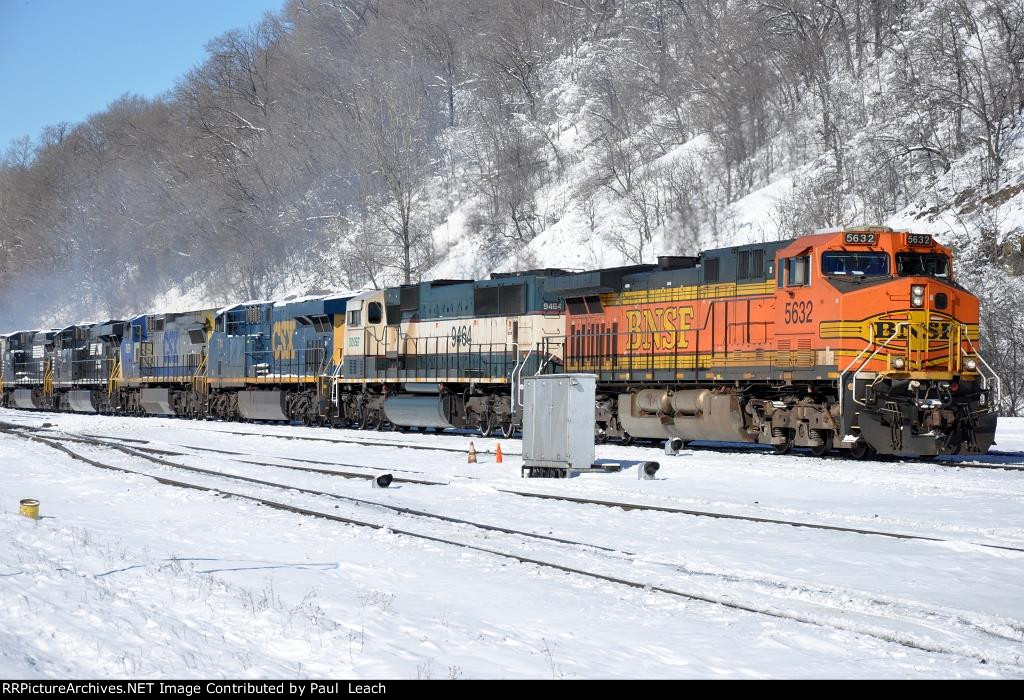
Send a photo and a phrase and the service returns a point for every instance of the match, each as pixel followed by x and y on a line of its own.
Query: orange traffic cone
pixel 499 458
pixel 472 454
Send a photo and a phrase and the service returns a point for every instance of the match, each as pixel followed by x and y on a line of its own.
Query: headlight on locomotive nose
pixel 917 295
pixel 970 364
pixel 898 363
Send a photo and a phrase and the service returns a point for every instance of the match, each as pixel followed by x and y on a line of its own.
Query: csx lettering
pixel 663 326
pixel 283 340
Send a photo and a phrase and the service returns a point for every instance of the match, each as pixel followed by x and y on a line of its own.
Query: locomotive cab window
pixel 854 263
pixel 354 318
pixel 798 271
pixel 922 264
pixel 374 313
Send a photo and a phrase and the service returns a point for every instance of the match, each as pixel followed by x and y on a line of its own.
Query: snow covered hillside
pixel 372 147
pixel 899 569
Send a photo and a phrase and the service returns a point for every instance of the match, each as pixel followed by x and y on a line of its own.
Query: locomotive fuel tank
pixel 691 414
pixel 156 401
pixel 263 405
pixel 26 399
pixel 80 401
pixel 424 411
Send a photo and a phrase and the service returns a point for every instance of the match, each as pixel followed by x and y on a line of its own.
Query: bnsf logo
pixel 936 330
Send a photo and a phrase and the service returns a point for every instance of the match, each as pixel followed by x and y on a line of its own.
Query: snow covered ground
pixel 125 576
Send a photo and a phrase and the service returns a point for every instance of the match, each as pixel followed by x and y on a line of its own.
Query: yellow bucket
pixel 30 508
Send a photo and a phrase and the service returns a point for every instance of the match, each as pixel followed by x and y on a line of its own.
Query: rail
pixel 442 358
pixel 303 366
pixel 162 369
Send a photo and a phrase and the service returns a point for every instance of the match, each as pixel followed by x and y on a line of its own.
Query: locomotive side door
pixel 366 336
pixel 796 313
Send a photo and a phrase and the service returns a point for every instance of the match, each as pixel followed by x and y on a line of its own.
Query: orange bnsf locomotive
pixel 857 339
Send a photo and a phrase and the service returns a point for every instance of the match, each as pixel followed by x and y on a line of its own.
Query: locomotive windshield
pixel 928 264
pixel 858 263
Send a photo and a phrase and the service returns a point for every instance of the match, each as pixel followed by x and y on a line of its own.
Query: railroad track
pixel 623 505
pixel 1006 461
pixel 1011 461
pixel 144 454
pixel 1014 461
pixel 834 617
pixel 145 446
pixel 627 506
pixel 365 443
pixel 112 442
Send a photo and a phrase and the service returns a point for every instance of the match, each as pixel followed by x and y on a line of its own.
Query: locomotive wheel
pixel 860 450
pixel 363 421
pixel 784 447
pixel 826 444
pixel 507 430
pixel 487 425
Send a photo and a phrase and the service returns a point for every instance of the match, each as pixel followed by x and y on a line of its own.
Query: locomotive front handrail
pixel 115 376
pixel 517 383
pixel 512 379
pixel 996 377
pixel 896 334
pixel 842 375
pixel 853 392
pixel 200 383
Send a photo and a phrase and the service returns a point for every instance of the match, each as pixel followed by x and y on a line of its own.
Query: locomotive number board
pixel 861 238
pixel 919 239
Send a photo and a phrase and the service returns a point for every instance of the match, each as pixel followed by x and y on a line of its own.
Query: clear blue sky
pixel 62 60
